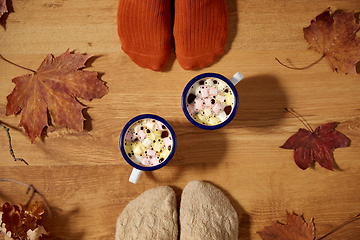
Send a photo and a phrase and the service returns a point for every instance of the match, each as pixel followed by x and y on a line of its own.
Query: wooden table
pixel 83 175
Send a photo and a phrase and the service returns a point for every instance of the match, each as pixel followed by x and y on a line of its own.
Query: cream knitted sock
pixel 206 213
pixel 151 216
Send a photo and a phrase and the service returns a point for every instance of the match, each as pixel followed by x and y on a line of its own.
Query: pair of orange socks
pixel 200 31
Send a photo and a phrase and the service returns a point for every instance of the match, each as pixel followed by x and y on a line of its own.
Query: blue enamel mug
pixel 147 143
pixel 210 100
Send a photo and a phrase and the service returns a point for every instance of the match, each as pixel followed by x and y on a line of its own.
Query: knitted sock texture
pixel 200 31
pixel 206 213
pixel 144 29
pixel 152 215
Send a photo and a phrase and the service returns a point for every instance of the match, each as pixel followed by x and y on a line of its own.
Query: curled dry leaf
pixel 54 89
pixel 316 145
pixel 3 7
pixel 21 222
pixel 295 229
pixel 334 37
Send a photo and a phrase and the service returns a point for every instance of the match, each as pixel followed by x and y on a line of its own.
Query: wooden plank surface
pixel 85 178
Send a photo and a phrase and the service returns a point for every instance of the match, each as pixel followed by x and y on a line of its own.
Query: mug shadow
pixel 262 102
pixel 191 143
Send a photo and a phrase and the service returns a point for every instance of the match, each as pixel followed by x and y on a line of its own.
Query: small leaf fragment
pixel 3 7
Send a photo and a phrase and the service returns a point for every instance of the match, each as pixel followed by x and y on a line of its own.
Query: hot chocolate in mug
pixel 210 100
pixel 147 142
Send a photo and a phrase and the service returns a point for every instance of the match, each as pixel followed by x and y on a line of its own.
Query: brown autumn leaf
pixel 316 145
pixel 334 36
pixel 35 211
pixel 3 7
pixel 295 229
pixel 54 88
pixel 11 220
pixel 18 220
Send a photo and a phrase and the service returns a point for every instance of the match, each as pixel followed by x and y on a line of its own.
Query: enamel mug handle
pixel 135 175
pixel 236 78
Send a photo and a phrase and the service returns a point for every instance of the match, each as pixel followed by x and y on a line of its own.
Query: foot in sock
pixel 200 31
pixel 206 213
pixel 152 215
pixel 144 28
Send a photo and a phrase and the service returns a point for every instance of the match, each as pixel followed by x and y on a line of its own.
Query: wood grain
pixel 85 178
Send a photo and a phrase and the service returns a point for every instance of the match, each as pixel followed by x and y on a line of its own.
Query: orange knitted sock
pixel 144 28
pixel 200 31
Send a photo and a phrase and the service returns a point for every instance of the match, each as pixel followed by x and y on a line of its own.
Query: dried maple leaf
pixel 3 7
pixel 295 229
pixel 334 37
pixel 316 145
pixel 54 88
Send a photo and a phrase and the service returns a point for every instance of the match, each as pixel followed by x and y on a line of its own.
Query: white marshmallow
pixel 222 116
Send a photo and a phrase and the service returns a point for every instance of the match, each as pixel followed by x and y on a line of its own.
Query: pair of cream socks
pixel 205 213
pixel 199 28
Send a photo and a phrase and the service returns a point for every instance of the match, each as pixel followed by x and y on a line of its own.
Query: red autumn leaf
pixel 334 37
pixel 3 7
pixel 295 229
pixel 54 89
pixel 317 145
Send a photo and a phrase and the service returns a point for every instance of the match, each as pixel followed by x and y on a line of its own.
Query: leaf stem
pixel 303 68
pixel 357 217
pixel 10 146
pixel 301 119
pixel 30 187
pixel 17 64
